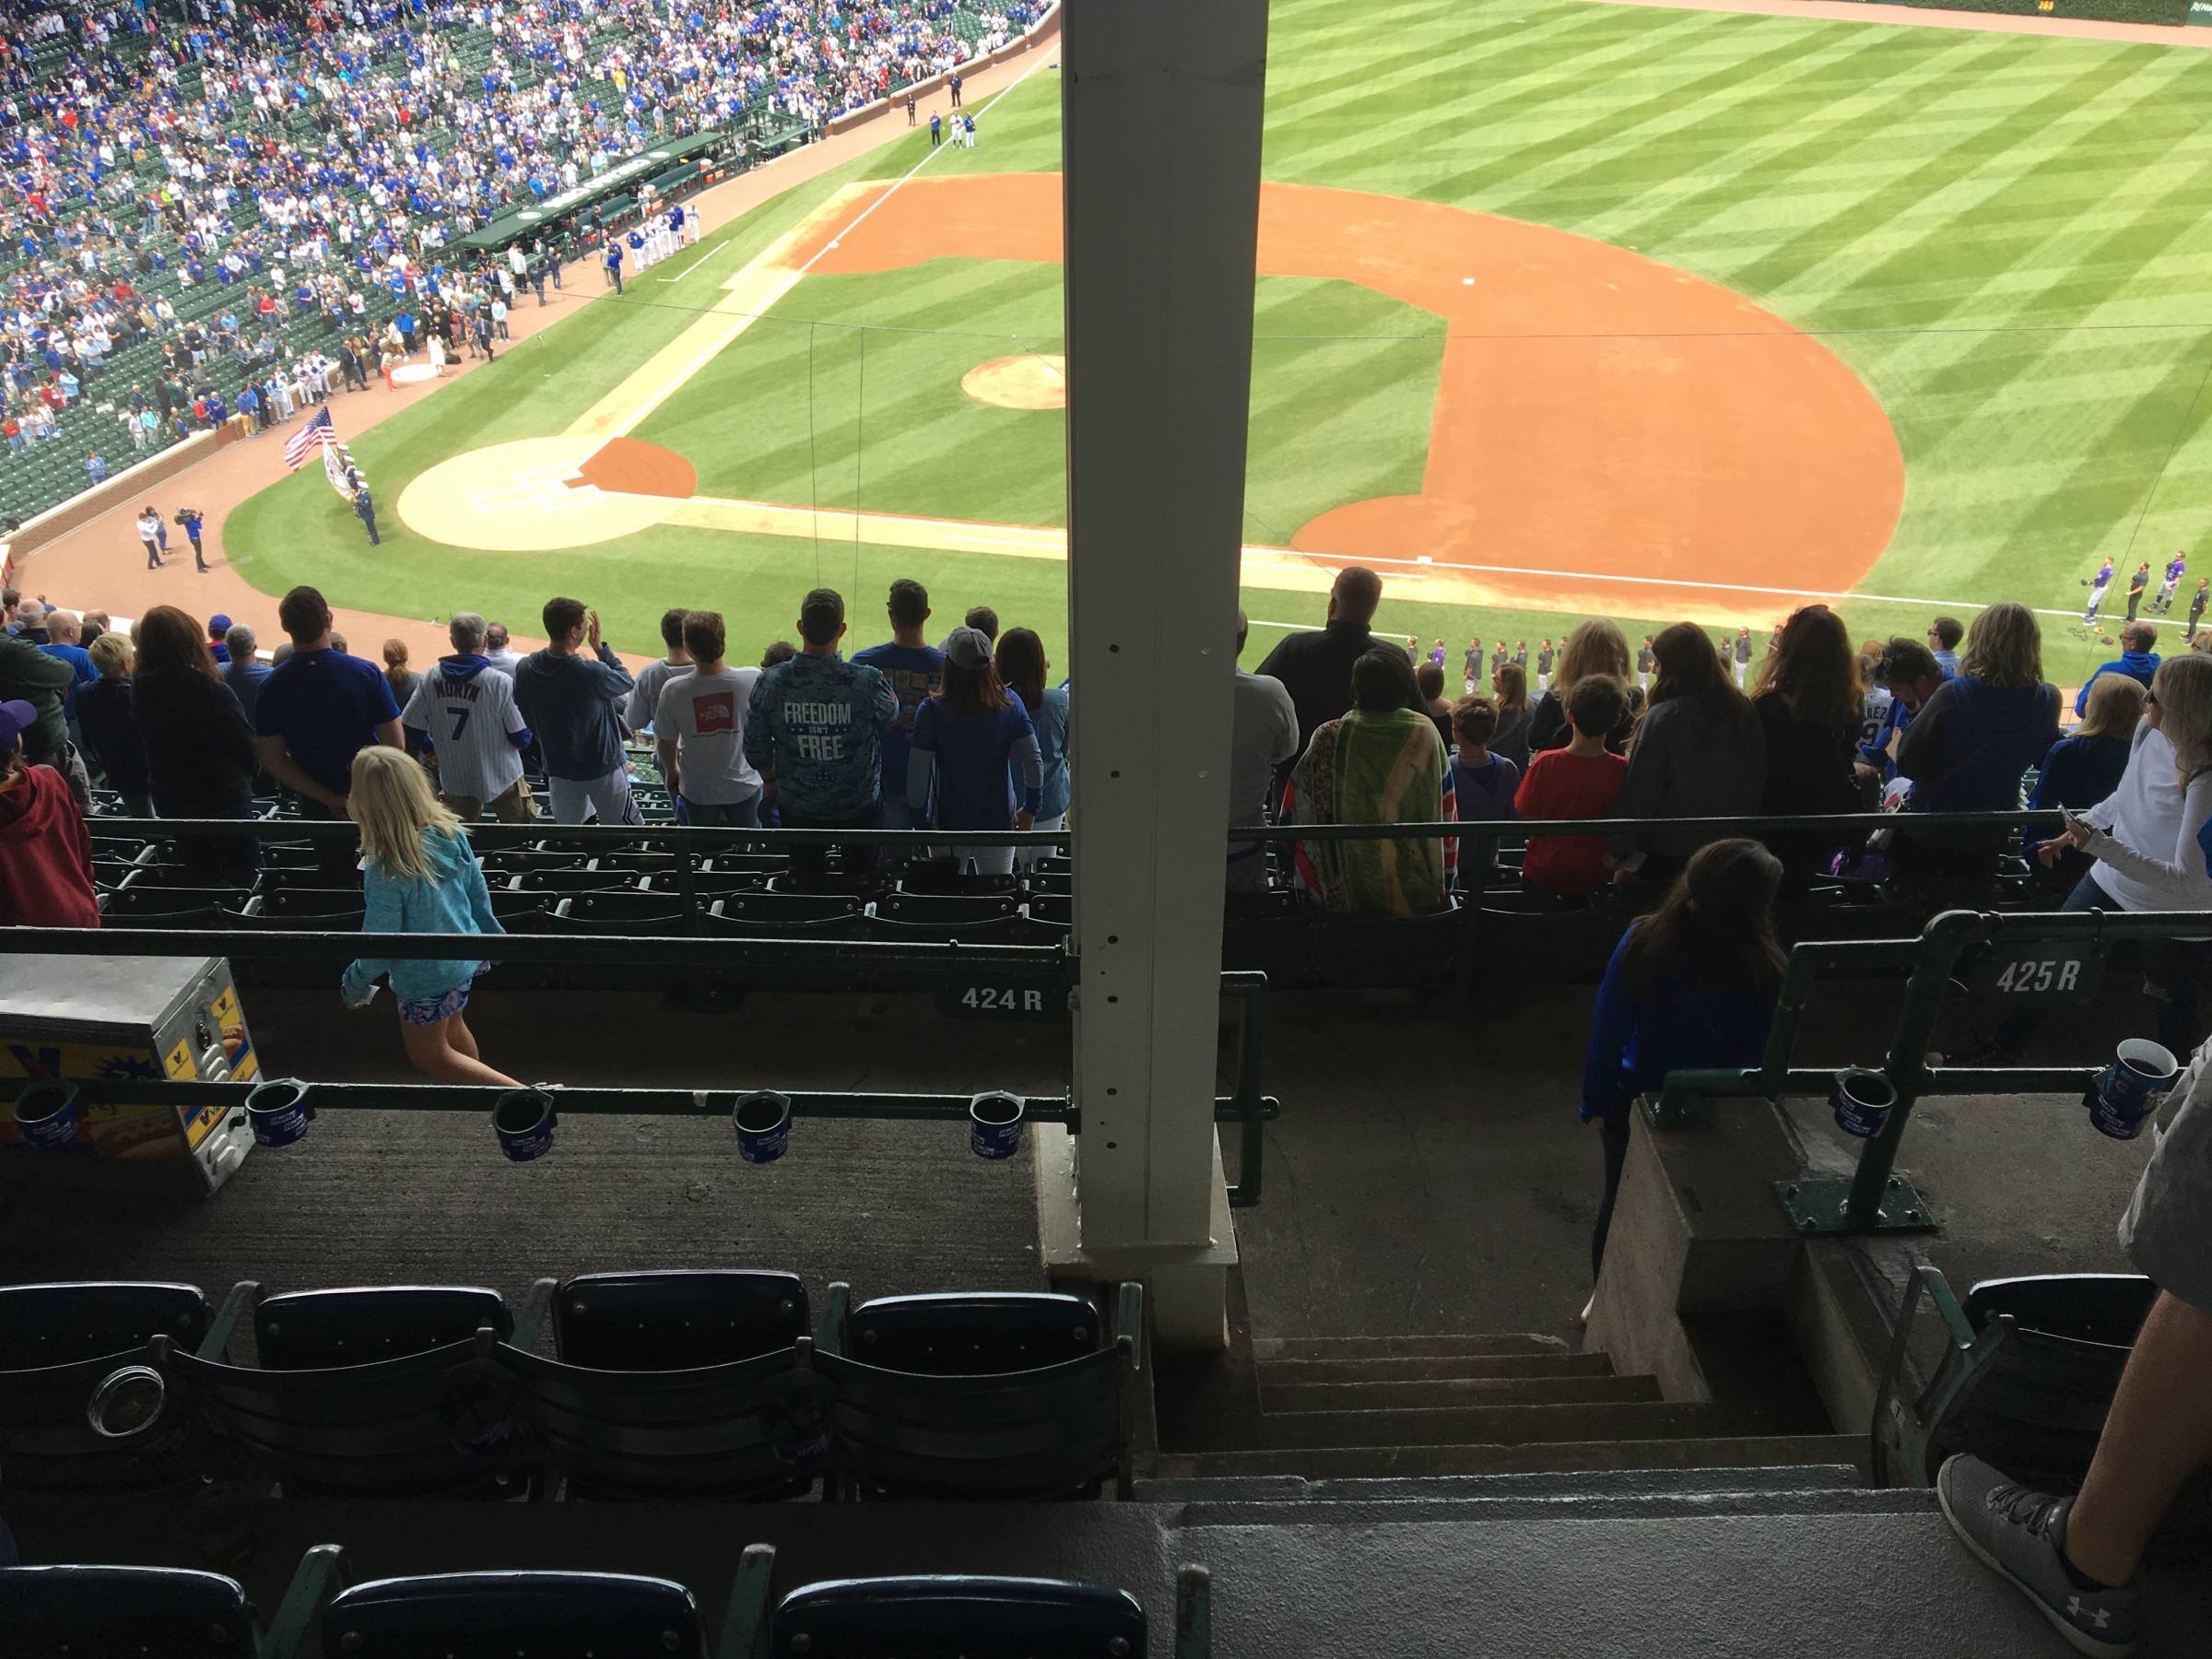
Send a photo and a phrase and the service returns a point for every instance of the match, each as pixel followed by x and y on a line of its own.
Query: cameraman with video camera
pixel 189 518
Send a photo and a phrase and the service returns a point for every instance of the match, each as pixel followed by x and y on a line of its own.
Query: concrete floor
pixel 1855 1576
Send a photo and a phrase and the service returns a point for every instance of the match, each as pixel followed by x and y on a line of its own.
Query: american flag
pixel 318 430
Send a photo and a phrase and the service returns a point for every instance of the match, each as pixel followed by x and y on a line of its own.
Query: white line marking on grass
pixel 773 290
pixel 933 152
pixel 1685 582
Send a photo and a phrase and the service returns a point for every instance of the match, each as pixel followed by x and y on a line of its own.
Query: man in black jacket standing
pixel 572 694
pixel 1316 668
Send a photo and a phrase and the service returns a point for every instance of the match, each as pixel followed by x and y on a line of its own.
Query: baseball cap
pixel 217 626
pixel 967 648
pixel 15 718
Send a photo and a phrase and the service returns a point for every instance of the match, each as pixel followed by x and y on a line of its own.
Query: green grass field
pixel 2006 237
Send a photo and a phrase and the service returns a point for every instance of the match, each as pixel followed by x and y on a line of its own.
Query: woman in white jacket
pixel 2150 838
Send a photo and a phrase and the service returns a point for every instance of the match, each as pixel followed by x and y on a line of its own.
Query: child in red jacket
pixel 1581 780
pixel 45 851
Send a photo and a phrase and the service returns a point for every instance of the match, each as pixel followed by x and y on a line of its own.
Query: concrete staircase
pixel 1394 1407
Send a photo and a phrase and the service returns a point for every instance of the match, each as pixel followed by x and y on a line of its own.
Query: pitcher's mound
pixel 1019 383
pixel 632 466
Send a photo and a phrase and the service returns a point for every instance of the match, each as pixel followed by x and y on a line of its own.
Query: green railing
pixel 2068 950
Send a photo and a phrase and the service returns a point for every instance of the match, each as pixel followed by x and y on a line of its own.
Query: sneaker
pixel 2022 1534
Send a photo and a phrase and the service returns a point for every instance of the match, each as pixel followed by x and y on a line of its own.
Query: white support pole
pixel 1162 103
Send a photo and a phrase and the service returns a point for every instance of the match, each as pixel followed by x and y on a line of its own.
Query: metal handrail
pixel 1932 959
pixel 702 838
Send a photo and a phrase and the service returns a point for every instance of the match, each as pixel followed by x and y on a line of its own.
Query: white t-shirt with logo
pixel 705 715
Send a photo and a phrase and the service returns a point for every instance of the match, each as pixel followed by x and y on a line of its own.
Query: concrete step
pixel 1453 1391
pixel 1416 1347
pixel 1820 1452
pixel 1433 1368
pixel 1572 1486
pixel 1493 1425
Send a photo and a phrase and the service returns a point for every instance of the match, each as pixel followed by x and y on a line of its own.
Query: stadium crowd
pixel 312 164
pixel 1338 725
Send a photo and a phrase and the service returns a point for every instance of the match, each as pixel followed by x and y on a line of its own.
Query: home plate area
pixel 537 493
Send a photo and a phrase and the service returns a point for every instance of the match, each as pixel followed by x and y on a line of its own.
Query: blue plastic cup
pixel 46 1113
pixel 995 1124
pixel 525 1121
pixel 1863 1100
pixel 762 1120
pixel 2140 1072
pixel 277 1112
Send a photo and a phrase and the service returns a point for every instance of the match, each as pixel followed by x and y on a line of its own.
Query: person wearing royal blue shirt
pixel 317 710
pixel 1691 986
pixel 2137 660
pixel 970 740
pixel 915 668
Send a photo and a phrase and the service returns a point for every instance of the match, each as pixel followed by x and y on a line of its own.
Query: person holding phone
pixel 2150 840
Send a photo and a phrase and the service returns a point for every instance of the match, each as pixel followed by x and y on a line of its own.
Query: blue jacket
pixel 2135 665
pixel 457 902
pixel 1971 743
pixel 574 705
pixel 1634 1044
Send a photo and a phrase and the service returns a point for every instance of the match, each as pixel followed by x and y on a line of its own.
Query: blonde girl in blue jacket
pixel 419 875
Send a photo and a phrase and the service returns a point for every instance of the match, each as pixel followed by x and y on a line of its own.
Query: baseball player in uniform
pixel 2176 568
pixel 1544 668
pixel 1472 665
pixel 2102 580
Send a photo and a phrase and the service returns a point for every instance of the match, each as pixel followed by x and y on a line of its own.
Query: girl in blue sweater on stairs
pixel 419 875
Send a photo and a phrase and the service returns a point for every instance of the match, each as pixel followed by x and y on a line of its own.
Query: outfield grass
pixel 2006 236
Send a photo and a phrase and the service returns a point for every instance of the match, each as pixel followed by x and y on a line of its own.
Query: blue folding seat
pixel 954 1617
pixel 383 1392
pixel 71 1612
pixel 995 1395
pixel 693 1384
pixel 58 1342
pixel 543 1615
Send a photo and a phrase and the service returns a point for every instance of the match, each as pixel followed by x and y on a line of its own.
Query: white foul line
pixel 1680 581
pixel 935 151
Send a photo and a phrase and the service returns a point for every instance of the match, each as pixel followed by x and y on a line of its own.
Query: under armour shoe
pixel 2022 1534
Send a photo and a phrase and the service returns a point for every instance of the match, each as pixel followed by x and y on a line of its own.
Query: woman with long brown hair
pixel 1596 646
pixel 1698 753
pixel 1514 712
pixel 1690 985
pixel 1021 663
pixel 1810 707
pixel 200 752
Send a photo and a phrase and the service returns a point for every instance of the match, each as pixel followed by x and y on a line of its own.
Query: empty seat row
pixel 92 1612
pixel 704 1384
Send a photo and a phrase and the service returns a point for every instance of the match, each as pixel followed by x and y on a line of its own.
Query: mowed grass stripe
pixel 1393 76
pixel 1790 262
pixel 1474 183
pixel 1375 130
pixel 1793 141
pixel 1671 137
pixel 2035 224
